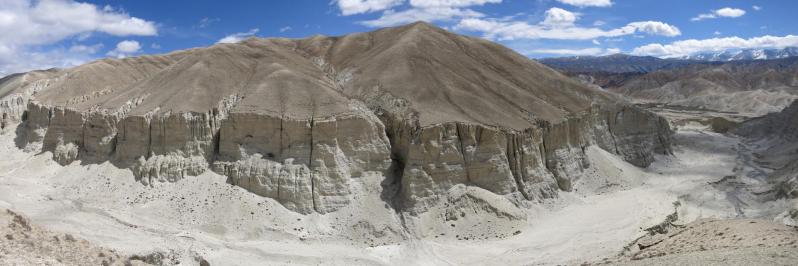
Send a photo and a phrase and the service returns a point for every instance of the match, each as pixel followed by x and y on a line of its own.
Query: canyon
pixel 404 145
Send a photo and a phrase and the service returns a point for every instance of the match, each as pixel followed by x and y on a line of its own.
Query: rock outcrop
pixel 777 134
pixel 441 117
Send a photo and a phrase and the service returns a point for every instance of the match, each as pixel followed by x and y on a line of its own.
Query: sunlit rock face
pixel 443 120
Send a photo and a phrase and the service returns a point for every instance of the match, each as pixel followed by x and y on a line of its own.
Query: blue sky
pixel 61 33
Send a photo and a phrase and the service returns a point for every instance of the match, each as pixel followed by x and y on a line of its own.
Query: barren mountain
pixel 443 122
pixel 613 64
pixel 776 136
pixel 750 88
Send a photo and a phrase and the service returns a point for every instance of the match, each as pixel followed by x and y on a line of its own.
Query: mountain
pixel 411 120
pixel 722 86
pixel 751 88
pixel 777 137
pixel 745 54
pixel 616 63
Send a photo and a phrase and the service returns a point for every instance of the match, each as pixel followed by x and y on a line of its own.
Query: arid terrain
pixel 408 145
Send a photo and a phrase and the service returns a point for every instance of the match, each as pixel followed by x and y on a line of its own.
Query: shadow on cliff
pixel 392 184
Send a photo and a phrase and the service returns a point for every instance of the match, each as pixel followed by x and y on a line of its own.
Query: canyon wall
pixel 777 133
pixel 308 164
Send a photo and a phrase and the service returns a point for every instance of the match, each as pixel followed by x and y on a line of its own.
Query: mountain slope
pixel 439 122
pixel 747 87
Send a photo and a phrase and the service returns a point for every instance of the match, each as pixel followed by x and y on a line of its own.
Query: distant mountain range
pixel 744 82
pixel 747 54
pixel 622 63
pixel 616 63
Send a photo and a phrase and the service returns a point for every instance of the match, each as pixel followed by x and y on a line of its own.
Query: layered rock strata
pixel 307 165
pixel 440 118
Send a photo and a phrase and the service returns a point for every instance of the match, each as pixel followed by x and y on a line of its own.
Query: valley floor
pixel 710 176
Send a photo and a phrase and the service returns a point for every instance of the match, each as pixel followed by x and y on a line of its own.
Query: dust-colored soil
pixel 718 242
pixel 24 243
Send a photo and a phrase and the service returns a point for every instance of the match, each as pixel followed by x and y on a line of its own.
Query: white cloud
pixel 723 12
pixel 557 17
pixel 125 48
pixel 717 33
pixel 559 25
pixel 585 51
pixel 427 10
pixel 155 46
pixel 451 3
pixel 238 37
pixel 757 8
pixel 730 12
pixel 391 18
pixel 26 25
pixel 29 60
pixel 586 3
pixel 86 49
pixel 692 46
pixel 654 28
pixel 286 28
pixel 353 7
pixel 596 42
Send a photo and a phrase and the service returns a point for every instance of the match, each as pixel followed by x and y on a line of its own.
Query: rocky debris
pixel 703 240
pixel 23 243
pixel 299 120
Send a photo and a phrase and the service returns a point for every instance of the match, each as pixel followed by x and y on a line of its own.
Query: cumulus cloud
pixel 27 25
pixel 692 46
pixel 558 17
pixel 238 37
pixel 586 3
pixel 559 24
pixel 727 12
pixel 125 48
pixel 654 28
pixel 286 28
pixel 354 7
pixel 757 8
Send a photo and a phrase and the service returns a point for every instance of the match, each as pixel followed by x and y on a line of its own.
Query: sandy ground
pixel 24 243
pixel 718 242
pixel 205 217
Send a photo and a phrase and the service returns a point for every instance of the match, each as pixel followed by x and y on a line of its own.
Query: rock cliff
pixel 777 136
pixel 445 120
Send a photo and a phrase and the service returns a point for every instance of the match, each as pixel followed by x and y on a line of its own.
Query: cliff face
pixel 300 121
pixel 307 164
pixel 778 134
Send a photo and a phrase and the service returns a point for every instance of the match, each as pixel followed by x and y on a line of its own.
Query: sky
pixel 40 34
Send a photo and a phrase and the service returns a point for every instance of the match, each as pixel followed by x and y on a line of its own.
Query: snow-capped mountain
pixel 747 54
